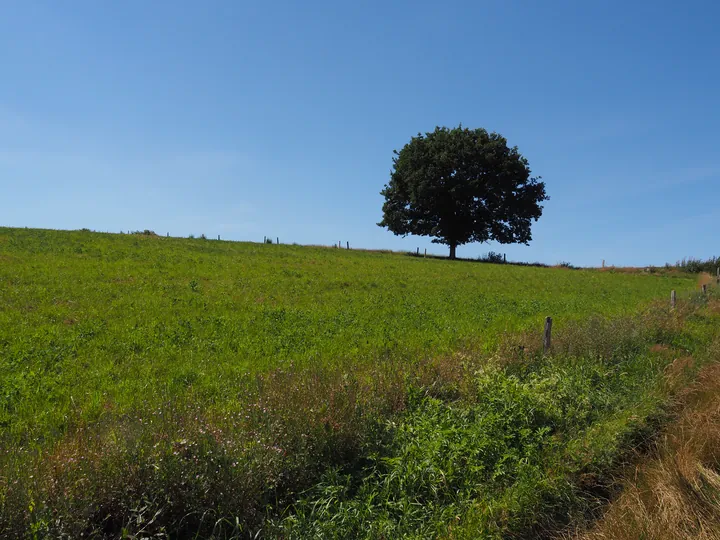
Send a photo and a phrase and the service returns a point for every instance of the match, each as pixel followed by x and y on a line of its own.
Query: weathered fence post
pixel 504 258
pixel 547 335
pixel 348 244
pixel 673 298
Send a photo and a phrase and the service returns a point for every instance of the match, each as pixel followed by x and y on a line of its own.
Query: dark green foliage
pixel 695 266
pixel 492 257
pixel 460 185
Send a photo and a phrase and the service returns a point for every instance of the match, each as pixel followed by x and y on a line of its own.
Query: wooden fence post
pixel 348 244
pixel 504 258
pixel 417 252
pixel 547 335
pixel 673 298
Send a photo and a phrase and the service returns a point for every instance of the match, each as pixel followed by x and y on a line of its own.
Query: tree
pixel 461 185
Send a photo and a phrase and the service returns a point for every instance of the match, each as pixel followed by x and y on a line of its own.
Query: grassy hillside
pixel 194 376
pixel 89 319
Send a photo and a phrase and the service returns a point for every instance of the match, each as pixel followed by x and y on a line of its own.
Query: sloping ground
pixel 203 389
pixel 675 494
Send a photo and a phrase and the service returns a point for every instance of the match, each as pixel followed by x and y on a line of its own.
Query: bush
pixel 696 266
pixel 492 257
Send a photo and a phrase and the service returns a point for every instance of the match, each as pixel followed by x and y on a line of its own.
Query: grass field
pixel 149 381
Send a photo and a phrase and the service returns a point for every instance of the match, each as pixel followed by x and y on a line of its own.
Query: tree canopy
pixel 462 185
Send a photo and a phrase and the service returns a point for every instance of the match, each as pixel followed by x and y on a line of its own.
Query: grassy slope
pixel 126 359
pixel 90 319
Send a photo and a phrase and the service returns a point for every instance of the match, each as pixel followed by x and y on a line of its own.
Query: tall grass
pixel 526 445
pixel 676 494
pixel 461 445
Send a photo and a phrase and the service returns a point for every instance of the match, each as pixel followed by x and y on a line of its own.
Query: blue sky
pixel 247 119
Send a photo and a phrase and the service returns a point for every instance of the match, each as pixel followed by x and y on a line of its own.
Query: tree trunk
pixel 452 251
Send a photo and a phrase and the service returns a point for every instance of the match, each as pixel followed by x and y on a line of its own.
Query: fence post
pixel 348 244
pixel 425 253
pixel 704 288
pixel 504 258
pixel 673 298
pixel 547 335
pixel 603 263
pixel 218 237
pixel 278 239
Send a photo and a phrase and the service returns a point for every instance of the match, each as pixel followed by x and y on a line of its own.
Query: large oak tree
pixel 462 185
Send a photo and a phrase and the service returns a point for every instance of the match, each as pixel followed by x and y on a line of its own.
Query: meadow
pixel 198 388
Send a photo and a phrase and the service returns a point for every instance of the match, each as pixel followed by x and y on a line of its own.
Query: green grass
pixel 89 319
pixel 143 374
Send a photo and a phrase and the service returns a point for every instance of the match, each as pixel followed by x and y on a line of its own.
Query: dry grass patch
pixel 676 495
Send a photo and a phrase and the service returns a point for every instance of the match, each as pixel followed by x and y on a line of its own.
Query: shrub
pixel 698 265
pixel 492 257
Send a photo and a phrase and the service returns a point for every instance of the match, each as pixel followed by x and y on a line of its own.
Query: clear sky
pixel 247 119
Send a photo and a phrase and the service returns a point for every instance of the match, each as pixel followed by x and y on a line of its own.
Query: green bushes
pixel 696 266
